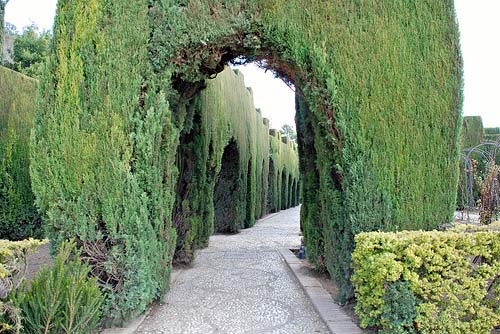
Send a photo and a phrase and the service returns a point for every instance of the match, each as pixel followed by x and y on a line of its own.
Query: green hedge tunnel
pixel 378 114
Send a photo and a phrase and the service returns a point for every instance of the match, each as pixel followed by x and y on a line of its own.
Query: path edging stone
pixel 337 321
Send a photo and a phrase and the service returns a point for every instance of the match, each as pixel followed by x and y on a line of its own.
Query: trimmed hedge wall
pixel 19 218
pixel 451 277
pixel 384 115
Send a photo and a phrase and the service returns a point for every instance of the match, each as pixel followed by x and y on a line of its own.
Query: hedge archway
pixel 379 98
pixel 228 213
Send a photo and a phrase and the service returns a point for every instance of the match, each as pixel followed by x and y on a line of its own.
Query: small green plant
pixel 12 270
pixel 400 309
pixel 61 299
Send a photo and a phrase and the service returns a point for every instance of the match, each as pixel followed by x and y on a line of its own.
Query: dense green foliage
pixel 399 309
pixel 386 141
pixel 452 277
pixel 379 138
pixel 30 51
pixel 19 218
pixel 104 147
pixel 61 299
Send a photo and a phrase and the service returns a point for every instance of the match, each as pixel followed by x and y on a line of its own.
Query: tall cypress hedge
pixel 381 81
pixel 104 148
pixel 19 218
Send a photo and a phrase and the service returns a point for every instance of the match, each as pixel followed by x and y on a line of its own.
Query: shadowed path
pixel 240 284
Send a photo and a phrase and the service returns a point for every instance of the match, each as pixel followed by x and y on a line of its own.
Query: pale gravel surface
pixel 240 284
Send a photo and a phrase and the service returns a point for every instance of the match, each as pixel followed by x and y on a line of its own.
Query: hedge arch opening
pixel 376 104
pixel 227 207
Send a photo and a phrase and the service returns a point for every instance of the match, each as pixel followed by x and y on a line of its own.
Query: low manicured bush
pixel 453 277
pixel 61 299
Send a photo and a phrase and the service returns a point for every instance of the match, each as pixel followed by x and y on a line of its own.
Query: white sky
pixel 274 98
pixel 479 23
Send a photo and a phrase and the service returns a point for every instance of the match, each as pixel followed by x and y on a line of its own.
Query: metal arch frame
pixel 486 156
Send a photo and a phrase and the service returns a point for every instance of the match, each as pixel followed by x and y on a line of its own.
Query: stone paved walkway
pixel 240 284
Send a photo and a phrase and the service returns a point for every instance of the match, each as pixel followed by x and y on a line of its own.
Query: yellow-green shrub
pixel 454 293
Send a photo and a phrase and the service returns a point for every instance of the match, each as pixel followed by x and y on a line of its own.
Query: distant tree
pixel 9 28
pixel 30 51
pixel 3 3
pixel 288 131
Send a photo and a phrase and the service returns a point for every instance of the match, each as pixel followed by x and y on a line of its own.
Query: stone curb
pixel 330 312
pixel 135 323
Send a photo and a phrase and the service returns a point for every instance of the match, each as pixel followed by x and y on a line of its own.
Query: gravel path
pixel 240 284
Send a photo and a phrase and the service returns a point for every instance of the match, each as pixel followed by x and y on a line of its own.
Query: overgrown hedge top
pixel 381 79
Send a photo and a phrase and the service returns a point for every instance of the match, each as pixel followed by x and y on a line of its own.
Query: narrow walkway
pixel 240 284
